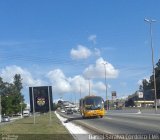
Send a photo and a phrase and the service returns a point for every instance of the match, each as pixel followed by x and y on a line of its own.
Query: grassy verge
pixel 43 129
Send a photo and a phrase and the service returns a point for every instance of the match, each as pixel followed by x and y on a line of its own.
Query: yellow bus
pixel 92 106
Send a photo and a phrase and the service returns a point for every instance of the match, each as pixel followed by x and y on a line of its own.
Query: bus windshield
pixel 94 103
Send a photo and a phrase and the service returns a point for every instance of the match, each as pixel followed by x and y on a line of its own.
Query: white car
pixel 5 119
pixel 62 111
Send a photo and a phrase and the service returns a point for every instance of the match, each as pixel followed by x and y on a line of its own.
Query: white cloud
pixel 27 80
pixel 140 81
pixel 97 52
pixel 60 83
pixel 92 38
pixel 79 83
pixel 80 53
pixel 99 86
pixel 124 97
pixel 65 85
pixel 123 84
pixel 98 70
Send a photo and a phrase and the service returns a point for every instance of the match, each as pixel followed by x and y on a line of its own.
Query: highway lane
pixel 124 123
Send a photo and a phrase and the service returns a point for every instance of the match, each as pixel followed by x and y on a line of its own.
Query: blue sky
pixel 64 43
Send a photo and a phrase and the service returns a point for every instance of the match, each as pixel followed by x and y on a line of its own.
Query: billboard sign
pixel 40 98
pixel 114 95
pixel 140 94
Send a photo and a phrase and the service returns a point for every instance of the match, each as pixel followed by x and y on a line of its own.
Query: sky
pixel 69 44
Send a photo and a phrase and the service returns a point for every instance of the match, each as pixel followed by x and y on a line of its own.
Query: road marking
pixel 109 118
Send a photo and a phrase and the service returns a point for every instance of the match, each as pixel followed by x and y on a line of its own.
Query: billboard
pixel 140 94
pixel 40 98
pixel 114 94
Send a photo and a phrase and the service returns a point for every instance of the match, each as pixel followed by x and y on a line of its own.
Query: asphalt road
pixel 123 123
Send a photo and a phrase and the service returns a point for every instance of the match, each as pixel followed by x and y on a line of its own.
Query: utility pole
pixel 89 87
pixel 80 91
pixel 150 21
pixel 107 102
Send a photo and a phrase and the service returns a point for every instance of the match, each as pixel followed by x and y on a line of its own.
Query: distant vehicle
pixel 26 113
pixel 69 111
pixel 62 110
pixel 5 119
pixel 75 109
pixel 92 106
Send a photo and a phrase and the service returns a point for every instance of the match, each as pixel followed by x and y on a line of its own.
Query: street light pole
pixel 80 91
pixel 107 103
pixel 89 87
pixel 21 108
pixel 150 21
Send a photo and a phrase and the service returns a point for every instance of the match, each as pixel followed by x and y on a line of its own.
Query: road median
pixel 43 129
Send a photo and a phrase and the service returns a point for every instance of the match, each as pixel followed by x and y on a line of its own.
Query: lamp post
pixel 107 103
pixel 150 21
pixel 21 109
pixel 80 91
pixel 89 84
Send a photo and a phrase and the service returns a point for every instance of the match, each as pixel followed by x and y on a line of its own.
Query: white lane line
pixel 109 118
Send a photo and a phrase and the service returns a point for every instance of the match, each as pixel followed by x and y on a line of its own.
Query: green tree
pixel 11 96
pixel 55 106
pixel 145 84
pixel 149 86
pixel 6 98
pixel 157 72
pixel 18 83
pixel 2 86
pixel 18 98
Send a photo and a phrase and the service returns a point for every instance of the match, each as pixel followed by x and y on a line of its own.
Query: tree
pixel 145 84
pixel 2 86
pixel 18 83
pixel 55 106
pixel 129 103
pixel 157 72
pixel 12 99
pixel 6 98
pixel 18 99
pixel 149 86
pixel 140 88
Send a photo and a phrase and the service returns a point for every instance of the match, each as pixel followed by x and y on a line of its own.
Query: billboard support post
pixel 41 101
pixel 33 106
pixel 50 117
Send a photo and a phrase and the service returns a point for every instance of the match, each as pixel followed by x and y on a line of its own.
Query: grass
pixel 43 129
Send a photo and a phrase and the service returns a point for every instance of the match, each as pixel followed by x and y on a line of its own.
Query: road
pixel 12 119
pixel 123 123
